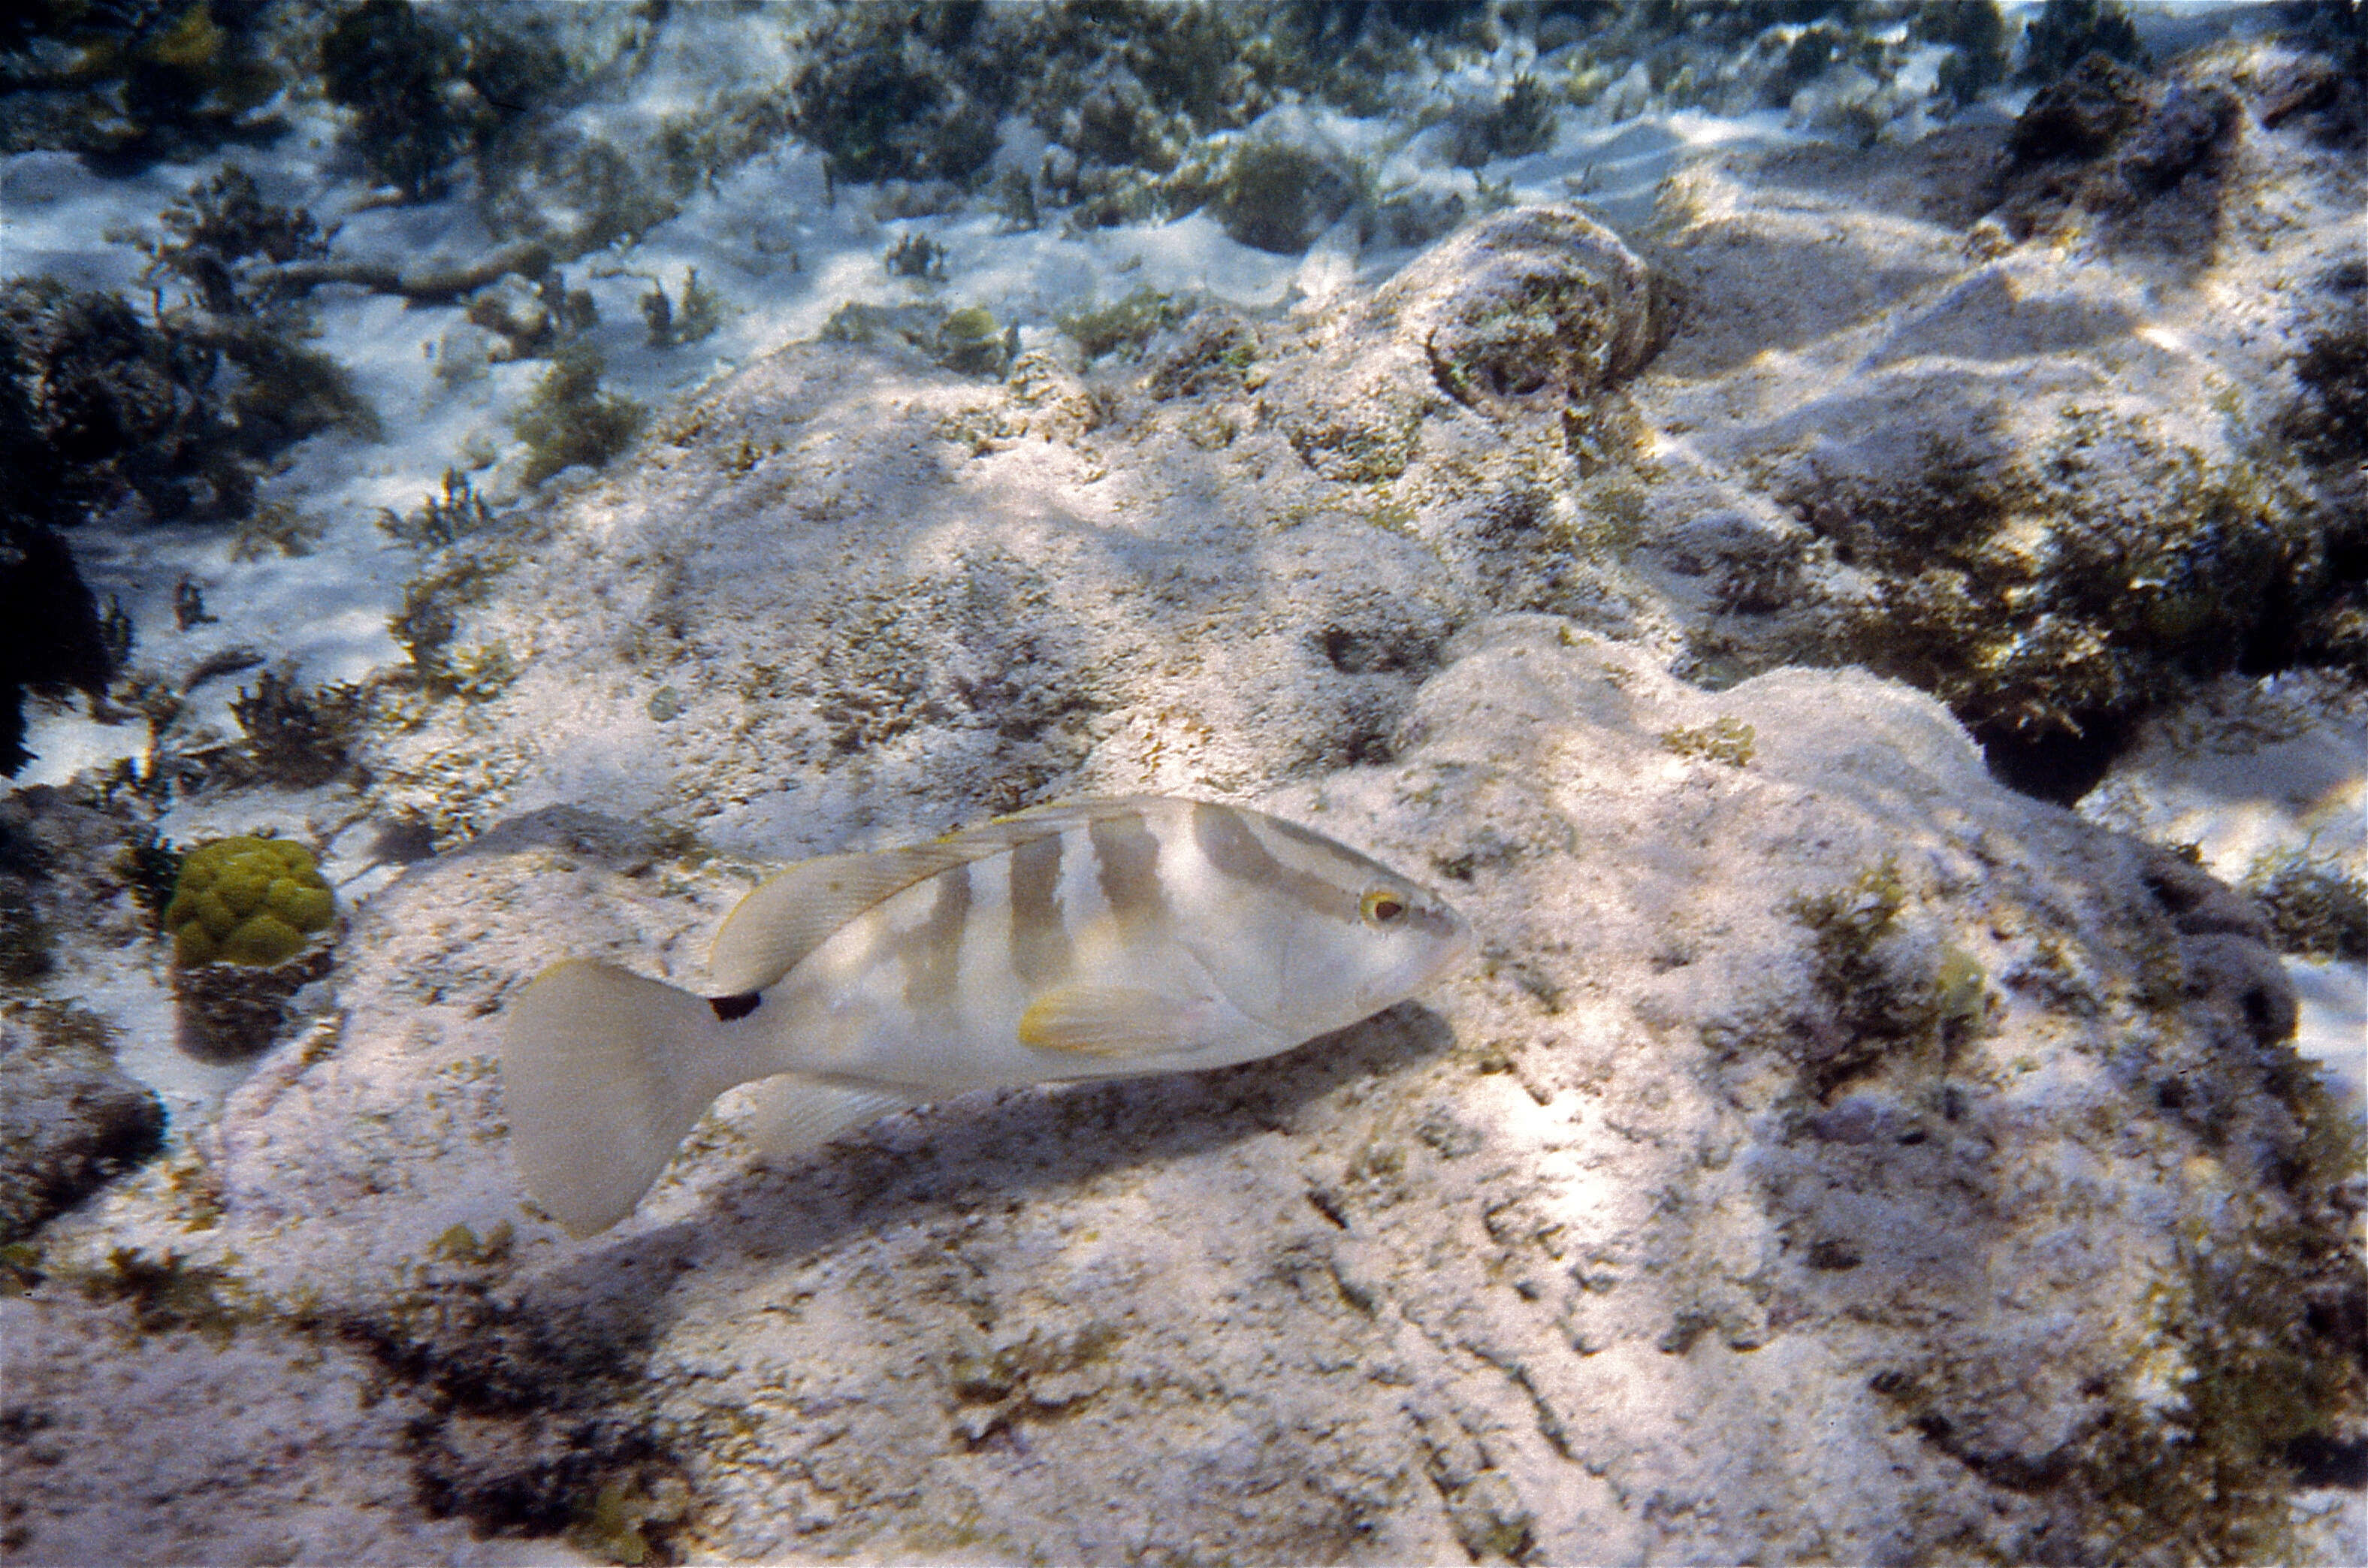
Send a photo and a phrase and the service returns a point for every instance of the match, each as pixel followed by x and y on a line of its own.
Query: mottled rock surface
pixel 1809 1078
pixel 1832 1154
pixel 69 1119
pixel 1992 419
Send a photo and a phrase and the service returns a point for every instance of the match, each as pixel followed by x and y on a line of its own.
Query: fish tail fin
pixel 604 1073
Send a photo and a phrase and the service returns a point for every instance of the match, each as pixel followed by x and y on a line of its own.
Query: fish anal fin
pixel 791 1114
pixel 1115 1022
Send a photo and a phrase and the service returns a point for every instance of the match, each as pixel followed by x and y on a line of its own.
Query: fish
pixel 1091 939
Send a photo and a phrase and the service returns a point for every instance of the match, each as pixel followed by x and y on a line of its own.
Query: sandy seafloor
pixel 786 248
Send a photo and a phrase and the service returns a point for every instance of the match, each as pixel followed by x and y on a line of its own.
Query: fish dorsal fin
pixel 1114 1022
pixel 795 912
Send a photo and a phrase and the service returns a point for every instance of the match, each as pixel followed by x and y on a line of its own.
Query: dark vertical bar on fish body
pixel 932 954
pixel 1041 955
pixel 1232 847
pixel 1127 858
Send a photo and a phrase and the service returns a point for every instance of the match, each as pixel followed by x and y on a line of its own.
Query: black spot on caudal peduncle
pixel 731 1007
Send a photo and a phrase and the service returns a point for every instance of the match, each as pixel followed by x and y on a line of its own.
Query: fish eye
pixel 1381 906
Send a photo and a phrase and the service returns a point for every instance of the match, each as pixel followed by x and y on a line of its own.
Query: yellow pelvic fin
pixel 1112 1021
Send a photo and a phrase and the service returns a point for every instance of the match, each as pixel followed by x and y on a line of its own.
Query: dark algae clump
pixel 2313 910
pixel 1975 32
pixel 116 406
pixel 571 420
pixel 427 86
pixel 116 403
pixel 129 84
pixel 2067 31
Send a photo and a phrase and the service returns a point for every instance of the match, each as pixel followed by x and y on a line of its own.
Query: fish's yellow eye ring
pixel 1381 906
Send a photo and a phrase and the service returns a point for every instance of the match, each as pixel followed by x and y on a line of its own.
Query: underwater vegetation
pixel 698 315
pixel 128 84
pixel 968 340
pixel 447 97
pixel 112 406
pixel 439 520
pixel 95 406
pixel 175 412
pixel 2123 605
pixel 1976 33
pixel 428 86
pixel 1282 186
pixel 878 96
pixel 1518 123
pixel 229 245
pixel 1125 324
pixel 127 404
pixel 915 255
pixel 2067 31
pixel 571 420
pixel 2314 910
pixel 1888 993
pixel 1128 92
pixel 295 738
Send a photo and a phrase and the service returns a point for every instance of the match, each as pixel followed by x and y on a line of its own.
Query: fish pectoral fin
pixel 1116 1022
pixel 793 1114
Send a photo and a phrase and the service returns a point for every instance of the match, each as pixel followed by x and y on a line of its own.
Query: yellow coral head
pixel 248 901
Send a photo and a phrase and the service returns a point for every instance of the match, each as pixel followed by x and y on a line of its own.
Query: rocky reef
pixel 1838 1148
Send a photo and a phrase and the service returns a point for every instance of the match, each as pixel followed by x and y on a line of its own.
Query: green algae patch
pixel 1124 323
pixel 1726 739
pixel 248 901
pixel 571 420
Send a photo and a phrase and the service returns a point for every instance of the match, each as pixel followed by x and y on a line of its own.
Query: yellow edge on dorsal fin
pixel 1112 1021
pixel 796 910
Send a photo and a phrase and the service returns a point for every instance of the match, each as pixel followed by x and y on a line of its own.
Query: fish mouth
pixel 1452 955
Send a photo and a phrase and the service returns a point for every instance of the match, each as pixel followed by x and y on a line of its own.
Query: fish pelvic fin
pixel 604 1073
pixel 1117 1022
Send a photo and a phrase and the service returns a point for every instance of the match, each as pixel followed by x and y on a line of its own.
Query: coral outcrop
pixel 1535 315
pixel 252 923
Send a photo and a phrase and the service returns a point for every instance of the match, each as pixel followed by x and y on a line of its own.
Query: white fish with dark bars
pixel 1097 939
